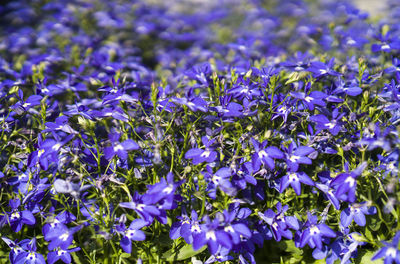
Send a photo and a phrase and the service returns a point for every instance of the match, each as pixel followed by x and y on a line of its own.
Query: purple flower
pixel 314 233
pixel 264 155
pixel 390 251
pixel 243 175
pixel 23 106
pixel 321 69
pixel 199 155
pixel 16 248
pixel 195 104
pixel 245 89
pixel 350 88
pixel 119 148
pixel 30 256
pixel 211 235
pixel 61 124
pixel 61 254
pixel 219 179
pixel 356 212
pixel 326 187
pixel 235 229
pixel 60 236
pixel 346 183
pixel 17 218
pixel 334 126
pixel 279 223
pixel 132 233
pixel 294 179
pixel 142 204
pixel 164 192
pixel 311 99
pixel 297 155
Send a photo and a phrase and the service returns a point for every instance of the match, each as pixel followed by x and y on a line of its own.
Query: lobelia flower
pixel 119 148
pixel 390 251
pixel 334 126
pixel 294 179
pixel 326 187
pixel 61 254
pixel 211 235
pixel 143 206
pixel 228 108
pixel 132 233
pixel 182 228
pixel 297 155
pixel 245 89
pixel 356 212
pixel 388 43
pixel 17 217
pixel 243 175
pixel 199 155
pixel 24 106
pixel 395 68
pixel 351 88
pixel 279 223
pixel 310 99
pixel 314 233
pixel 68 187
pixel 321 69
pixel 264 155
pixel 16 248
pixel 219 179
pixel 221 255
pixel 195 104
pixel 165 191
pixel 114 112
pixel 346 183
pixel 60 236
pixel 235 229
pixel 30 256
pixel 61 124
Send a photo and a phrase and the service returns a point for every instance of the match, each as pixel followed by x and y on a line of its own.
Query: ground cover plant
pixel 198 132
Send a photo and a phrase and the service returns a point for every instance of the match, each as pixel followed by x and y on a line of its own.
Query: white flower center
pixel 294 158
pixel 385 47
pixel 229 229
pixel 293 177
pixel 392 252
pixel 32 256
pixel 140 207
pixel 168 189
pixel 262 154
pixel 216 179
pixel 64 236
pixel 331 125
pixel 15 216
pixel 211 235
pixel 308 99
pixel 195 228
pixel 61 252
pixel 130 233
pixel 351 181
pixel 56 147
pixel 314 230
pixel 118 147
pixel 205 154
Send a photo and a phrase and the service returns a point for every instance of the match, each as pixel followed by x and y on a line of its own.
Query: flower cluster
pixel 163 131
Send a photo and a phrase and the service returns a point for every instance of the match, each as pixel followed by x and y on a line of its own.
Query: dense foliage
pixel 199 131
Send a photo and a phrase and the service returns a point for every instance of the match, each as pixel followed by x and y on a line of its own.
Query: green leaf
pixel 183 253
pixel 364 257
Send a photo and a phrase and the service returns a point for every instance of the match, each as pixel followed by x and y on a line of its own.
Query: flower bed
pixel 190 131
